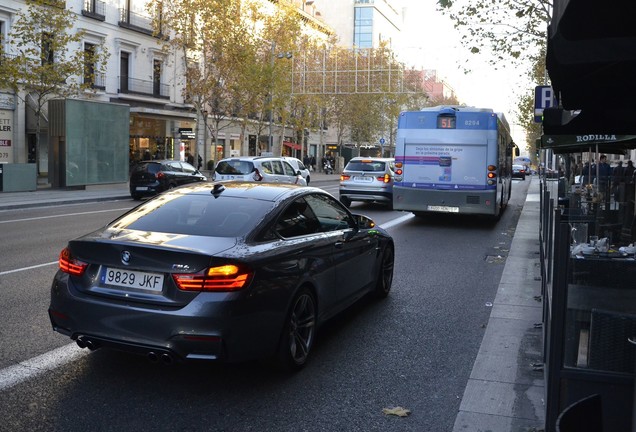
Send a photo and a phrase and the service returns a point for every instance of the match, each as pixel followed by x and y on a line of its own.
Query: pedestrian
pixel 312 162
pixel 618 181
pixel 189 158
pixel 199 162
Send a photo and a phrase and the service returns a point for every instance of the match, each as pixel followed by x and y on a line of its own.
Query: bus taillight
pixel 492 175
pixel 492 168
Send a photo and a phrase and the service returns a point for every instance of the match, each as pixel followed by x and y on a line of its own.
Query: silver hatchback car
pixel 258 169
pixel 367 179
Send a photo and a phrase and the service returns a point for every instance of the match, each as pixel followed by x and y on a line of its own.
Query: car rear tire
pixel 345 201
pixel 385 275
pixel 299 332
pixel 136 197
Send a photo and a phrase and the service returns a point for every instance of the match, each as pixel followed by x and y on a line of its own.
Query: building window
pixel 47 48
pixel 123 72
pixel 89 64
pixel 156 77
pixel 363 27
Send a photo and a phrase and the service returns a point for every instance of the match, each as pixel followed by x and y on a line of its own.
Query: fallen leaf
pixel 397 411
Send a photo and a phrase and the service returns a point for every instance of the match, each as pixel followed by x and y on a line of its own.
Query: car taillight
pixel 70 265
pixel 344 177
pixel 160 175
pixel 222 278
pixel 257 175
pixel 385 178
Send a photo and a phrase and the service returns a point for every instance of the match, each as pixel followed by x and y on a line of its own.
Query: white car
pixel 259 169
pixel 300 166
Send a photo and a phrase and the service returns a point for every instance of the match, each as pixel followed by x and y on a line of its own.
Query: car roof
pixel 251 190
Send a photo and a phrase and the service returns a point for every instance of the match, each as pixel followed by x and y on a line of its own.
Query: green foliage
pixel 511 30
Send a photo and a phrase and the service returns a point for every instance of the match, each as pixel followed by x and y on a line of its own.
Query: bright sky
pixel 433 43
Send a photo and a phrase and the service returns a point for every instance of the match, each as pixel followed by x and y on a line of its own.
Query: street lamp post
pixel 205 139
pixel 273 55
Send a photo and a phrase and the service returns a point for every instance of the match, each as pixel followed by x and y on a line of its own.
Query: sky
pixel 433 43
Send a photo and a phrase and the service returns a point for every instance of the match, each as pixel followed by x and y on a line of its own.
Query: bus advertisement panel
pixel 452 159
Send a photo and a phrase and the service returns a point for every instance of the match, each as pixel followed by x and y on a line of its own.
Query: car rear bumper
pixel 359 195
pixel 210 327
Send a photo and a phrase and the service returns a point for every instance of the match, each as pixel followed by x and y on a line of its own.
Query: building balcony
pixel 136 22
pixel 135 86
pixel 97 81
pixel 94 9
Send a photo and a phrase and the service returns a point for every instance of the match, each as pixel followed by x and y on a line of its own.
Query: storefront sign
pixel 7 101
pixel 186 133
pixel 6 136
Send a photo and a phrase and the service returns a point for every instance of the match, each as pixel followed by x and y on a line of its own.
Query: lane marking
pixel 18 373
pixel 29 369
pixel 62 215
pixel 27 268
pixel 397 221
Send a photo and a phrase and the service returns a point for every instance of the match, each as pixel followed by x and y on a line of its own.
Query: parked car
pixel 367 179
pixel 224 271
pixel 258 168
pixel 519 171
pixel 300 166
pixel 155 176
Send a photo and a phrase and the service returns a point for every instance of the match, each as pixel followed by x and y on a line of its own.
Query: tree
pixel 46 57
pixel 512 31
pixel 525 106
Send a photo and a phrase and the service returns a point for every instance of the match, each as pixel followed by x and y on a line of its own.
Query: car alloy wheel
pixel 299 331
pixel 385 277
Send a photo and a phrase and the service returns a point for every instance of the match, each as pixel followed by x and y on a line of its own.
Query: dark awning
pixel 603 143
pixel 591 53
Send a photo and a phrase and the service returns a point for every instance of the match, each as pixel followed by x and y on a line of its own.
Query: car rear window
pixel 366 166
pixel 236 167
pixel 151 167
pixel 200 215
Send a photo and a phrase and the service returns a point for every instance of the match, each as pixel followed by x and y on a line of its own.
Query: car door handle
pixel 338 245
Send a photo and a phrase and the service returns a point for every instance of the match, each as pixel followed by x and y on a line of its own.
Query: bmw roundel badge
pixel 125 257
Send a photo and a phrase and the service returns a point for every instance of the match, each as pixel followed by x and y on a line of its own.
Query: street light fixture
pixel 287 55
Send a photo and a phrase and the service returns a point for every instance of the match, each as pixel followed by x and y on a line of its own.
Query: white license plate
pixel 363 179
pixel 132 279
pixel 142 188
pixel 446 209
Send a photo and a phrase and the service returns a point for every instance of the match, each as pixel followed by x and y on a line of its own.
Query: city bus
pixel 453 159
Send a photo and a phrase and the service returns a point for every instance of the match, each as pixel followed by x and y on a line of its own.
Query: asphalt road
pixel 413 350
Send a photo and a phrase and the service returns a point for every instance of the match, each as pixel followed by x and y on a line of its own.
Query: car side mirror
pixel 364 222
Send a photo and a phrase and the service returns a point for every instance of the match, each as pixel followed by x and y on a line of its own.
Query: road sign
pixel 543 98
pixel 382 140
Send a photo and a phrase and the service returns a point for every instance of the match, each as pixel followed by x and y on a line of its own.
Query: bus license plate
pixel 445 209
pixel 132 279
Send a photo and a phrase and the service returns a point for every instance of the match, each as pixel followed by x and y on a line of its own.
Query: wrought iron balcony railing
pixel 94 9
pixel 142 87
pixel 134 21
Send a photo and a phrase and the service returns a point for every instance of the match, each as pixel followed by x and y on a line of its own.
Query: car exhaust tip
pixel 91 345
pixel 153 357
pixel 81 342
pixel 166 359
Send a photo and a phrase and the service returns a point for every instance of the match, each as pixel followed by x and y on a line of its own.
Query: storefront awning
pixel 291 145
pixel 603 143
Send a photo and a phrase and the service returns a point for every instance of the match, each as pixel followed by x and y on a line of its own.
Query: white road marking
pixel 27 268
pixel 29 369
pixel 18 373
pixel 63 215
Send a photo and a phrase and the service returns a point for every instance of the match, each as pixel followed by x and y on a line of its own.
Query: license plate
pixel 445 209
pixel 142 188
pixel 362 179
pixel 132 279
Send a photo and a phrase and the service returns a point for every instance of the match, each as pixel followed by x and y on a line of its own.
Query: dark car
pixel 155 176
pixel 226 271
pixel 519 171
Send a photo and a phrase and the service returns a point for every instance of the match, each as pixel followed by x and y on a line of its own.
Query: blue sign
pixel 382 141
pixel 543 98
